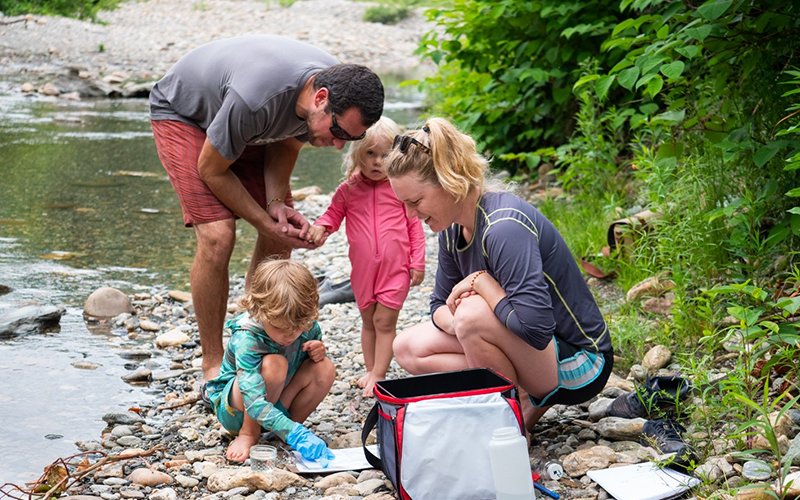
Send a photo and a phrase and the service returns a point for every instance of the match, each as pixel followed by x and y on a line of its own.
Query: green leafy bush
pixel 82 9
pixel 507 68
pixel 386 13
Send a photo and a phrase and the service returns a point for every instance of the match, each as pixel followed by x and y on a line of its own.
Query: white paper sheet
pixel 644 481
pixel 346 459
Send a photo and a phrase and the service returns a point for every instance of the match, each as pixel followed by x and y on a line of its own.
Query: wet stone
pixel 756 471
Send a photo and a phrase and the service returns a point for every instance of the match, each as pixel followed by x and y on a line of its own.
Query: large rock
pixel 757 492
pixel 274 480
pixel 621 383
pixel 715 469
pixel 127 418
pixel 650 287
pixel 791 485
pixel 107 302
pixel 29 319
pixel 334 480
pixel 594 458
pixel 598 408
pixel 656 358
pixel 172 338
pixel 620 429
pixel 793 453
pixel 149 477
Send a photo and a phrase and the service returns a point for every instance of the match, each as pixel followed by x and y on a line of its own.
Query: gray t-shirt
pixel 241 91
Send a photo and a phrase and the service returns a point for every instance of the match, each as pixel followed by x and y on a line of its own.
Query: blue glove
pixel 309 445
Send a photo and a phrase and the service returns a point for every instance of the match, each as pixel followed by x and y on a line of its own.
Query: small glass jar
pixel 263 457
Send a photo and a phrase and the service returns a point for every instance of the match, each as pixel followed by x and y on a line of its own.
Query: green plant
pixel 82 9
pixel 386 13
pixel 507 68
pixel 764 413
pixel 763 335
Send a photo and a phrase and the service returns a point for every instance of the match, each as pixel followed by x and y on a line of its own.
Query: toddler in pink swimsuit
pixel 387 249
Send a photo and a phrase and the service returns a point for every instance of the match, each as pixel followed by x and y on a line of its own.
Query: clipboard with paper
pixel 644 481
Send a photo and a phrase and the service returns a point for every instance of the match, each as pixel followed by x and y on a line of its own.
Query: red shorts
pixel 179 145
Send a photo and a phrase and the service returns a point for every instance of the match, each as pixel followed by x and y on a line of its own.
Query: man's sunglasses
pixel 404 141
pixel 339 133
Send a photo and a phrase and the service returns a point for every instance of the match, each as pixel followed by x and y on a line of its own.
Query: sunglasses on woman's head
pixel 403 142
pixel 340 133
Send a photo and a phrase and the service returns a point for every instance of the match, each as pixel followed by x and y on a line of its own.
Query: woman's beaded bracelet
pixel 472 283
pixel 272 200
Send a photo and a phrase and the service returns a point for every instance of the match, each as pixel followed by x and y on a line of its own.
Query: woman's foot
pixel 239 450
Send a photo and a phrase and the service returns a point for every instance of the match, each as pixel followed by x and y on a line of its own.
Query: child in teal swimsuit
pixel 275 372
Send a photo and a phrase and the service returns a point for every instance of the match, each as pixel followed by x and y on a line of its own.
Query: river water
pixel 84 203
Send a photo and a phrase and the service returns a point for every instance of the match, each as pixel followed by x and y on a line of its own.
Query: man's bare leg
pixel 265 248
pixel 209 281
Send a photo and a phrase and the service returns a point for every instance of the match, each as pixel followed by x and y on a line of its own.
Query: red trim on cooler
pixel 398 452
pixel 384 415
pixel 515 407
pixel 400 401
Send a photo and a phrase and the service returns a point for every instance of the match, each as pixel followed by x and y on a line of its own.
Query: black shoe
pixel 657 392
pixel 338 293
pixel 665 436
pixel 204 397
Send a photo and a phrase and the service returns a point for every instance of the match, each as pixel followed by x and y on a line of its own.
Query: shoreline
pixel 138 42
pixel 174 447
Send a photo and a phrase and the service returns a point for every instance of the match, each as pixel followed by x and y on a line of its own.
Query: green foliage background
pixel 82 9
pixel 645 103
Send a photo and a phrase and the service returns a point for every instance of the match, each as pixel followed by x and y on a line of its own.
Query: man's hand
pixel 289 226
pixel 315 350
pixel 417 275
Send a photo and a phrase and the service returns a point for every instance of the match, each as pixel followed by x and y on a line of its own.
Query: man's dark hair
pixel 352 86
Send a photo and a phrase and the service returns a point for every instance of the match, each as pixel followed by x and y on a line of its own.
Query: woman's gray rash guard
pixel 519 247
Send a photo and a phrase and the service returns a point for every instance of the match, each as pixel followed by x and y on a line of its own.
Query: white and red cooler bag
pixel 434 431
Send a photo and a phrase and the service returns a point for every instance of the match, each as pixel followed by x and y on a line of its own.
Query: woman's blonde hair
pixel 384 129
pixel 282 293
pixel 455 164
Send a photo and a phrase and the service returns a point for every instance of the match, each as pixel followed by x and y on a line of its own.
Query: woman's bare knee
pixel 403 351
pixel 472 318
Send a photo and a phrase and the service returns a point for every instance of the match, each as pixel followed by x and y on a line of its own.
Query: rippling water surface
pixel 85 203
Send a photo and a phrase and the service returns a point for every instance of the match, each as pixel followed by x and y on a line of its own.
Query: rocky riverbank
pixel 174 448
pixel 128 48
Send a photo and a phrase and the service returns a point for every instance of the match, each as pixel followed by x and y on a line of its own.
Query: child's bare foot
pixel 362 382
pixel 239 450
pixel 370 385
pixel 368 388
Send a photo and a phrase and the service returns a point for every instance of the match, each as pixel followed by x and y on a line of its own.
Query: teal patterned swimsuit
pixel 246 349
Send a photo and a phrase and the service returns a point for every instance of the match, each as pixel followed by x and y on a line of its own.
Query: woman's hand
pixel 462 290
pixel 315 350
pixel 417 275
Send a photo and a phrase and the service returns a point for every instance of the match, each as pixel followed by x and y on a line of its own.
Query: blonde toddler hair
pixel 456 166
pixel 282 293
pixel 384 129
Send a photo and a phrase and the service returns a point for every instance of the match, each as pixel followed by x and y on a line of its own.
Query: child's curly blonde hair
pixel 282 293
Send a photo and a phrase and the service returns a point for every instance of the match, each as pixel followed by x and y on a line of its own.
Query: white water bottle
pixel 511 470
